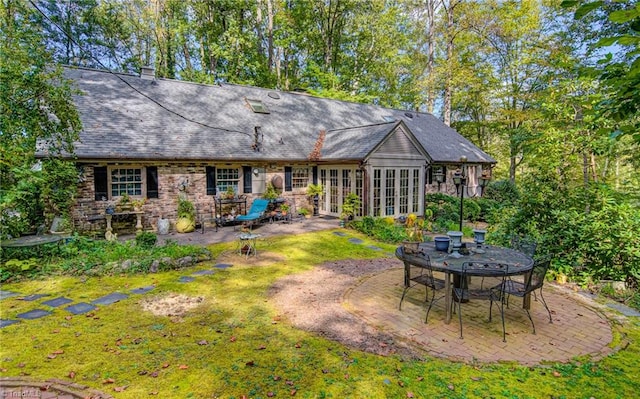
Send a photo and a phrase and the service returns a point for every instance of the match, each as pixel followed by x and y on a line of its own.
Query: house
pixel 157 138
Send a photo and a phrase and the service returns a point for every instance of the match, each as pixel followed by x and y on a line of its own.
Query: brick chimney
pixel 147 73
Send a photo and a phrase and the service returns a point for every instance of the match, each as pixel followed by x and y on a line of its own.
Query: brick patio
pixel 579 325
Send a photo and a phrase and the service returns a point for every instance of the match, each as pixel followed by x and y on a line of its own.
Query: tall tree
pixel 35 106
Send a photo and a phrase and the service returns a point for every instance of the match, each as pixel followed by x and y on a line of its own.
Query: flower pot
pixel 442 243
pixel 185 225
pixel 163 226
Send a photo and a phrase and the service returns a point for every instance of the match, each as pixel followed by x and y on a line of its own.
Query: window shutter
pixel 152 182
pixel 430 175
pixel 314 173
pixel 211 180
pixel 444 174
pixel 288 178
pixel 100 183
pixel 246 172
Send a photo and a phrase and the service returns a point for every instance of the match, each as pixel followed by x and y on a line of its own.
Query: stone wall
pixel 88 214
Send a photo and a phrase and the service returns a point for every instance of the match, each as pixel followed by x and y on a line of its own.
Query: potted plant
pixel 314 191
pixel 284 208
pixel 125 202
pixel 138 203
pixel 186 221
pixel 270 192
pixel 350 204
pixel 230 193
pixel 304 212
pixel 413 229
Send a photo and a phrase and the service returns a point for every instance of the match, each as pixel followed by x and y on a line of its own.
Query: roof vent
pixel 274 95
pixel 408 115
pixel 147 73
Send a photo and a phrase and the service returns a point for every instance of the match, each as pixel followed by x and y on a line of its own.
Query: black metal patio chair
pixel 464 294
pixel 424 277
pixel 534 281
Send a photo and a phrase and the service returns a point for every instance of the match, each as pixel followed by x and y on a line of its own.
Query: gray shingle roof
pixel 214 122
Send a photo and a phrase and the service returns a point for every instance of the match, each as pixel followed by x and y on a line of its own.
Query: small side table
pixel 247 244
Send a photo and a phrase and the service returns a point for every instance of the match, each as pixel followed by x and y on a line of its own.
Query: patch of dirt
pixel 264 258
pixel 312 301
pixel 172 305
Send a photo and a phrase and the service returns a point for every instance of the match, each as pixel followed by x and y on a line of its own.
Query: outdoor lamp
pixel 483 181
pixel 439 176
pixel 460 180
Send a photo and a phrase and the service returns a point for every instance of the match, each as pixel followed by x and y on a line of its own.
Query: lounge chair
pixel 256 212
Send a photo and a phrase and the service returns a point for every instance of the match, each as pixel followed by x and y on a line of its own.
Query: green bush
pixel 503 192
pixel 591 233
pixel 82 255
pixel 381 229
pixel 146 239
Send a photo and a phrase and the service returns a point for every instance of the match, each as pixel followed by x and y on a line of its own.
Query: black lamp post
pixel 460 180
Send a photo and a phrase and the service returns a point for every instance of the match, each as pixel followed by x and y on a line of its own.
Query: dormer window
pixel 257 106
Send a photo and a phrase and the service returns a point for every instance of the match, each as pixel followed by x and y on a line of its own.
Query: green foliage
pixel 350 205
pixel 504 192
pixel 270 192
pixel 82 256
pixel 591 233
pixel 35 106
pixel 314 189
pixel 381 229
pixel 146 239
pixel 186 209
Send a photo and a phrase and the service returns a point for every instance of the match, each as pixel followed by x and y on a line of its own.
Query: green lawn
pixel 235 344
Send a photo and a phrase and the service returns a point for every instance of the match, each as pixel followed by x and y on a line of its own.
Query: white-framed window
pixel 126 179
pixel 300 177
pixel 227 177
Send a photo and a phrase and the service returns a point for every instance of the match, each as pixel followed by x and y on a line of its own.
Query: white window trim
pixel 143 181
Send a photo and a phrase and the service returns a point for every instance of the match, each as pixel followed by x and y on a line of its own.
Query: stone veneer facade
pixel 88 213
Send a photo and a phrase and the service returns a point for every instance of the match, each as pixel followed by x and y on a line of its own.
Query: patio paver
pixel 578 328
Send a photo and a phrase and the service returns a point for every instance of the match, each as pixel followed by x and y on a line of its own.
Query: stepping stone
pixel 54 303
pixel 109 299
pixel 4 323
pixel 355 241
pixel 33 297
pixel 202 273
pixel 625 310
pixel 142 290
pixel 7 294
pixel 34 314
pixel 186 279
pixel 223 265
pixel 80 308
pixel 374 248
pixel 339 233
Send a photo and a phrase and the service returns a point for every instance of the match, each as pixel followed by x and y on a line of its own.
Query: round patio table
pixel 518 262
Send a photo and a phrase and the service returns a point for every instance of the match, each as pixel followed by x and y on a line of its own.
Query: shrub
pixel 380 229
pixel 146 239
pixel 503 192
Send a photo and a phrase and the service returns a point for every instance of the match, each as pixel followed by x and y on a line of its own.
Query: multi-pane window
pixel 404 191
pixel 377 192
pixel 416 190
pixel 323 182
pixel 226 178
pixel 126 181
pixel 359 191
pixel 333 190
pixel 300 177
pixel 390 192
